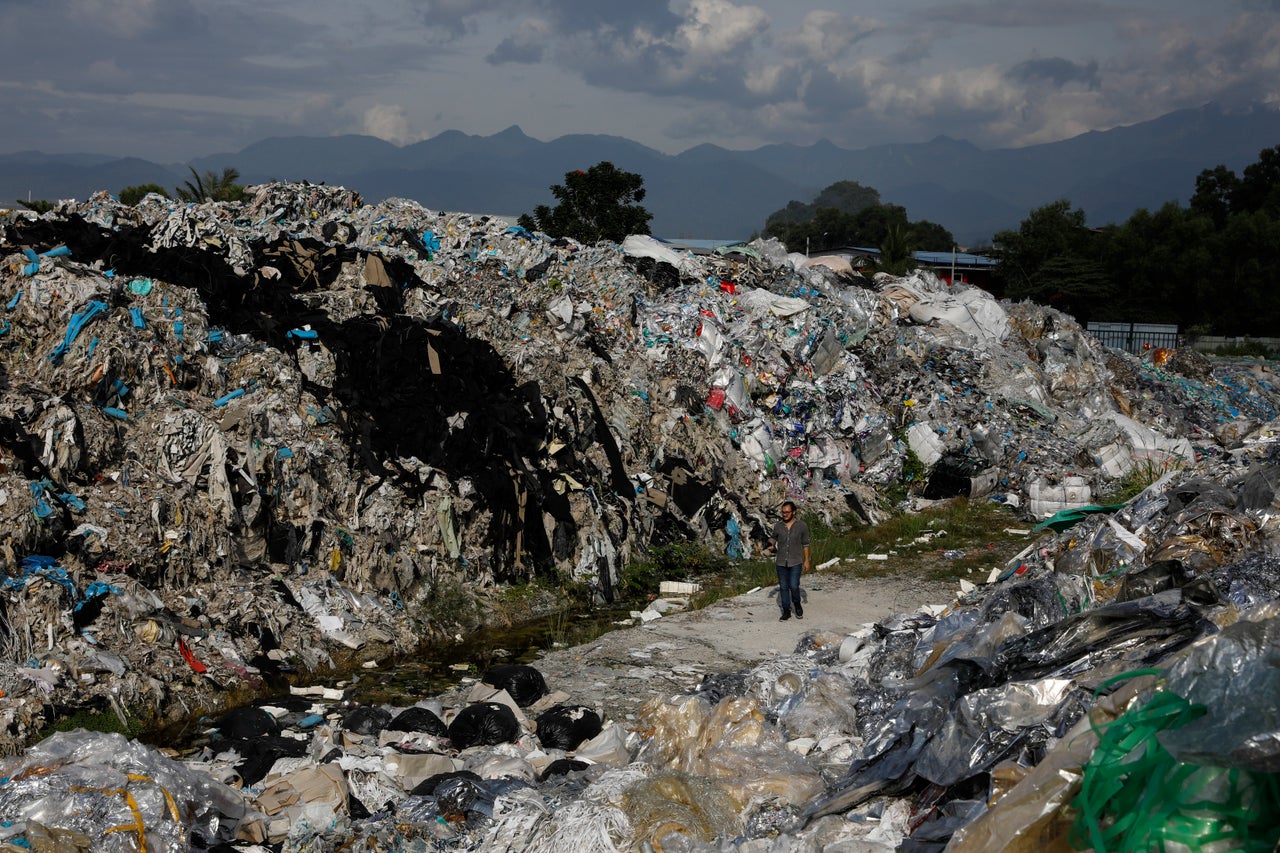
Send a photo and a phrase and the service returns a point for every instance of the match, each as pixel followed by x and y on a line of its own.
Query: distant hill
pixel 713 192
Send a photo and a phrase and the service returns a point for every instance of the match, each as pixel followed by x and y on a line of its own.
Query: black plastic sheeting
pixel 968 710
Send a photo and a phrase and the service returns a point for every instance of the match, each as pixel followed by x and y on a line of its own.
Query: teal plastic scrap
pixel 77 324
pixel 13 303
pixel 227 398
pixel 140 286
pixel 1071 517
pixel 39 566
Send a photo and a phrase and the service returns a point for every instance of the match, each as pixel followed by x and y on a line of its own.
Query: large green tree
pixel 1055 259
pixel 868 225
pixel 602 203
pixel 847 197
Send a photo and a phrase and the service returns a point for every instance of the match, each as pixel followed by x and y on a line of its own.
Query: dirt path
pixel 622 669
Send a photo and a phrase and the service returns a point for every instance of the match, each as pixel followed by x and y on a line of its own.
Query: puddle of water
pixel 436 669
pixel 431 670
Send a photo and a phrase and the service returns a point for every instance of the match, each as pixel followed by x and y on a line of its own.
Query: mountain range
pixel 717 193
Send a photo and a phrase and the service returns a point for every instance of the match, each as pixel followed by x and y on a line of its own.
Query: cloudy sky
pixel 174 79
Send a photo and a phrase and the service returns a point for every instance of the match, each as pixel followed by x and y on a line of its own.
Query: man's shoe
pixel 786 614
pixel 799 611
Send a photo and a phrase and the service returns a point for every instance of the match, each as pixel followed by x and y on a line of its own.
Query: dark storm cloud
pixel 568 16
pixel 1057 71
pixel 825 91
pixel 1022 13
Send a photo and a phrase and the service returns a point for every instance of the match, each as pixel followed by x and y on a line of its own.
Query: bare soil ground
pixel 622 669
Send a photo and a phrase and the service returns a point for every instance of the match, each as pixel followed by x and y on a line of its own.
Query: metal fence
pixel 1135 337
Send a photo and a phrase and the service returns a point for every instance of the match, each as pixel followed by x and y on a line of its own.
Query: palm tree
pixel 895 252
pixel 211 186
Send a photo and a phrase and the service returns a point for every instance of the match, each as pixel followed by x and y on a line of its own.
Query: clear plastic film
pixel 117 793
pixel 732 743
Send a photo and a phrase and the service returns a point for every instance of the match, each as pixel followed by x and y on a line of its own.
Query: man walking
pixel 791 556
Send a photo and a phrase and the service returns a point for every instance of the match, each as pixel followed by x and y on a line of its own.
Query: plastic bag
pixel 566 726
pixel 418 720
pixel 732 743
pixel 1231 674
pixel 524 683
pixel 366 720
pixel 247 723
pixel 486 723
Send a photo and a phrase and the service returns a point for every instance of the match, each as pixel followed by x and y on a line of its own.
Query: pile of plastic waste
pixel 241 441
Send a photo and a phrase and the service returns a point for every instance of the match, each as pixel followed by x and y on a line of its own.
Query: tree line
pixel 1210 267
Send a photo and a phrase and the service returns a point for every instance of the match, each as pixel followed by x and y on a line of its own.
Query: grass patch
pixel 948 540
pixel 1141 475
pixel 677 561
pixel 95 720
pixel 1246 349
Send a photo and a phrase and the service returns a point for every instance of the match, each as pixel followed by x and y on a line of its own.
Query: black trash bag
pixel 486 723
pixel 366 720
pixel 247 723
pixel 418 720
pixel 260 753
pixel 954 475
pixel 455 792
pixel 562 767
pixel 523 683
pixel 567 726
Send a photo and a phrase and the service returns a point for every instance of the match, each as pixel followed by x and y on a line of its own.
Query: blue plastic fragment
pixel 227 398
pixel 4 326
pixel 177 328
pixel 77 324
pixel 72 501
pixel 118 414
pixel 304 334
pixel 139 322
pixel 13 303
pixel 284 453
pixel 57 252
